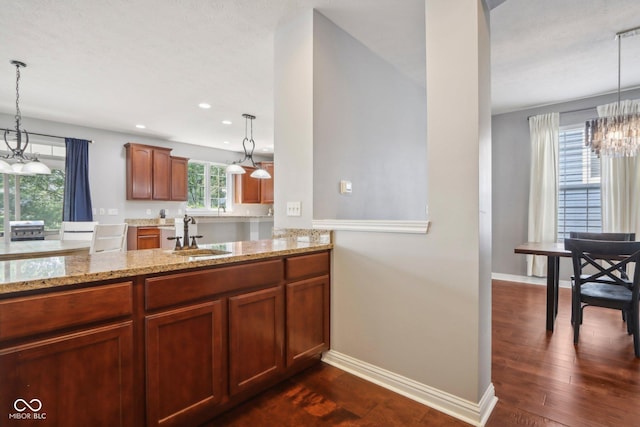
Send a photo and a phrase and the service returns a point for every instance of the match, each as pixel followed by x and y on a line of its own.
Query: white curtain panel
pixel 620 181
pixel 543 186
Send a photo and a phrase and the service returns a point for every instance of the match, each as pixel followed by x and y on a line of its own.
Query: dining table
pixel 553 251
pixel 42 248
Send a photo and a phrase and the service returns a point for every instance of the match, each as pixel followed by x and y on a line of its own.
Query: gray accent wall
pixel 369 128
pixel 511 165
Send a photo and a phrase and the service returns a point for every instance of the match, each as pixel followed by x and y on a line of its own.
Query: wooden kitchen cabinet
pixel 179 174
pixel 164 349
pixel 80 379
pixel 149 173
pixel 143 237
pixel 247 189
pixel 254 190
pixel 256 338
pixel 184 364
pixel 308 307
pixel 266 185
pixel 73 352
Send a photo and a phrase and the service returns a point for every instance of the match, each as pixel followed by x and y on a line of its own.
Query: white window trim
pixel 207 196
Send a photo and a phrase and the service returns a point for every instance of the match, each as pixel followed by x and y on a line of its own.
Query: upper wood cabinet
pixel 254 190
pixel 179 173
pixel 153 174
pixel 266 185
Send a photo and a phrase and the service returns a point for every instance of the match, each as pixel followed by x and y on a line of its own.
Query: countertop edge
pixel 17 288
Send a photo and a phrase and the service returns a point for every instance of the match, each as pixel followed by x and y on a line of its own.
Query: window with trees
pixel 207 186
pixel 39 197
pixel 579 205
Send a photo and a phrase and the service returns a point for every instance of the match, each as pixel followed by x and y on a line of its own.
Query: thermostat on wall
pixel 345 187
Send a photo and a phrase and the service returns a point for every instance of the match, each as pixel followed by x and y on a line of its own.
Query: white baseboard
pixel 475 414
pixel 528 279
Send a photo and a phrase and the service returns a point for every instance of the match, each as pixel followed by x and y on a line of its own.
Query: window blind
pixel 579 205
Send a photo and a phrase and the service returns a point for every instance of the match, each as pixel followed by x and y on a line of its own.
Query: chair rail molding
pixel 382 226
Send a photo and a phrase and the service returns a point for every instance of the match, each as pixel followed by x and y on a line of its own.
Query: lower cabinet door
pixel 184 365
pixel 75 380
pixel 307 318
pixel 256 332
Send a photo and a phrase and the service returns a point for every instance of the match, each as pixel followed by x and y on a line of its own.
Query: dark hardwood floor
pixel 541 379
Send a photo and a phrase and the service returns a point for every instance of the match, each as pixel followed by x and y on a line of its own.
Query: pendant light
pixel 25 164
pixel 617 136
pixel 235 167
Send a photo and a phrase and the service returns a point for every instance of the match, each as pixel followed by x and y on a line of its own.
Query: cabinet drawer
pixel 148 231
pixel 307 265
pixel 26 316
pixel 183 287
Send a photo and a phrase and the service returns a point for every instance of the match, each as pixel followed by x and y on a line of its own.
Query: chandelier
pixel 235 167
pixel 617 136
pixel 17 142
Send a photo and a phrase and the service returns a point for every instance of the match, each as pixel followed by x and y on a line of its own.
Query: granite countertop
pixel 51 272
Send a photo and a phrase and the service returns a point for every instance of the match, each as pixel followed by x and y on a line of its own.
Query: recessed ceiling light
pixel 225 142
pixel 226 122
pixel 204 105
pixel 141 126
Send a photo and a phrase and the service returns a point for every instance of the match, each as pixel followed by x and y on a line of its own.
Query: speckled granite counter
pixel 52 272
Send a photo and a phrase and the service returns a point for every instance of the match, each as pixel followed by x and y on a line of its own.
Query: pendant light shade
pixel 617 136
pixel 5 167
pixel 36 167
pixel 235 169
pixel 248 145
pixel 260 174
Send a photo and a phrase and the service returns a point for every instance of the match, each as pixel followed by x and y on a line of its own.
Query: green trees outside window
pixel 40 196
pixel 207 186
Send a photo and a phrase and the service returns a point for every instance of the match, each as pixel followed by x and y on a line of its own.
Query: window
pixel 579 184
pixel 207 186
pixel 40 196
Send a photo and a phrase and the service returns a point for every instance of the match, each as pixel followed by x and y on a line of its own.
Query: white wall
pixel 369 128
pixel 107 168
pixel 417 306
pixel 293 120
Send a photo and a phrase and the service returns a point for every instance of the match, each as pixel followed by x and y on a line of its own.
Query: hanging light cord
pixel 248 154
pixel 18 152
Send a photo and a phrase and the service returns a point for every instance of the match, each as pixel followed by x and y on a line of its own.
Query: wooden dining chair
pixel 618 237
pixel 109 238
pixel 602 285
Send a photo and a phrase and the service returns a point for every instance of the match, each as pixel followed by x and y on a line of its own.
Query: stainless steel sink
pixel 199 252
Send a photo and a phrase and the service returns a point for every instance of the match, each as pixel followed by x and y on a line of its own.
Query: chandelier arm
pixel 619 72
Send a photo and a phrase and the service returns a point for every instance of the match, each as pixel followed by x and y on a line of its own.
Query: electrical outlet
pixel 293 209
pixel 102 211
pixel 148 211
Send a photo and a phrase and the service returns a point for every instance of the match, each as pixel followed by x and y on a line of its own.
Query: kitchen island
pixel 153 338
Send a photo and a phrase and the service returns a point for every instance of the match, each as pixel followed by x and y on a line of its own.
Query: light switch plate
pixel 345 187
pixel 293 209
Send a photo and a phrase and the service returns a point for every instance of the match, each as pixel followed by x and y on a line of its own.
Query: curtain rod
pixel 568 111
pixel 43 134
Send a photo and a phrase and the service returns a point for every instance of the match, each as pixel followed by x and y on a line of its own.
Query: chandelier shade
pixel 616 136
pixel 17 141
pixel 248 145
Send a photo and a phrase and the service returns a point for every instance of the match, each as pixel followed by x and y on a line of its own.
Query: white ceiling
pixel 112 64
